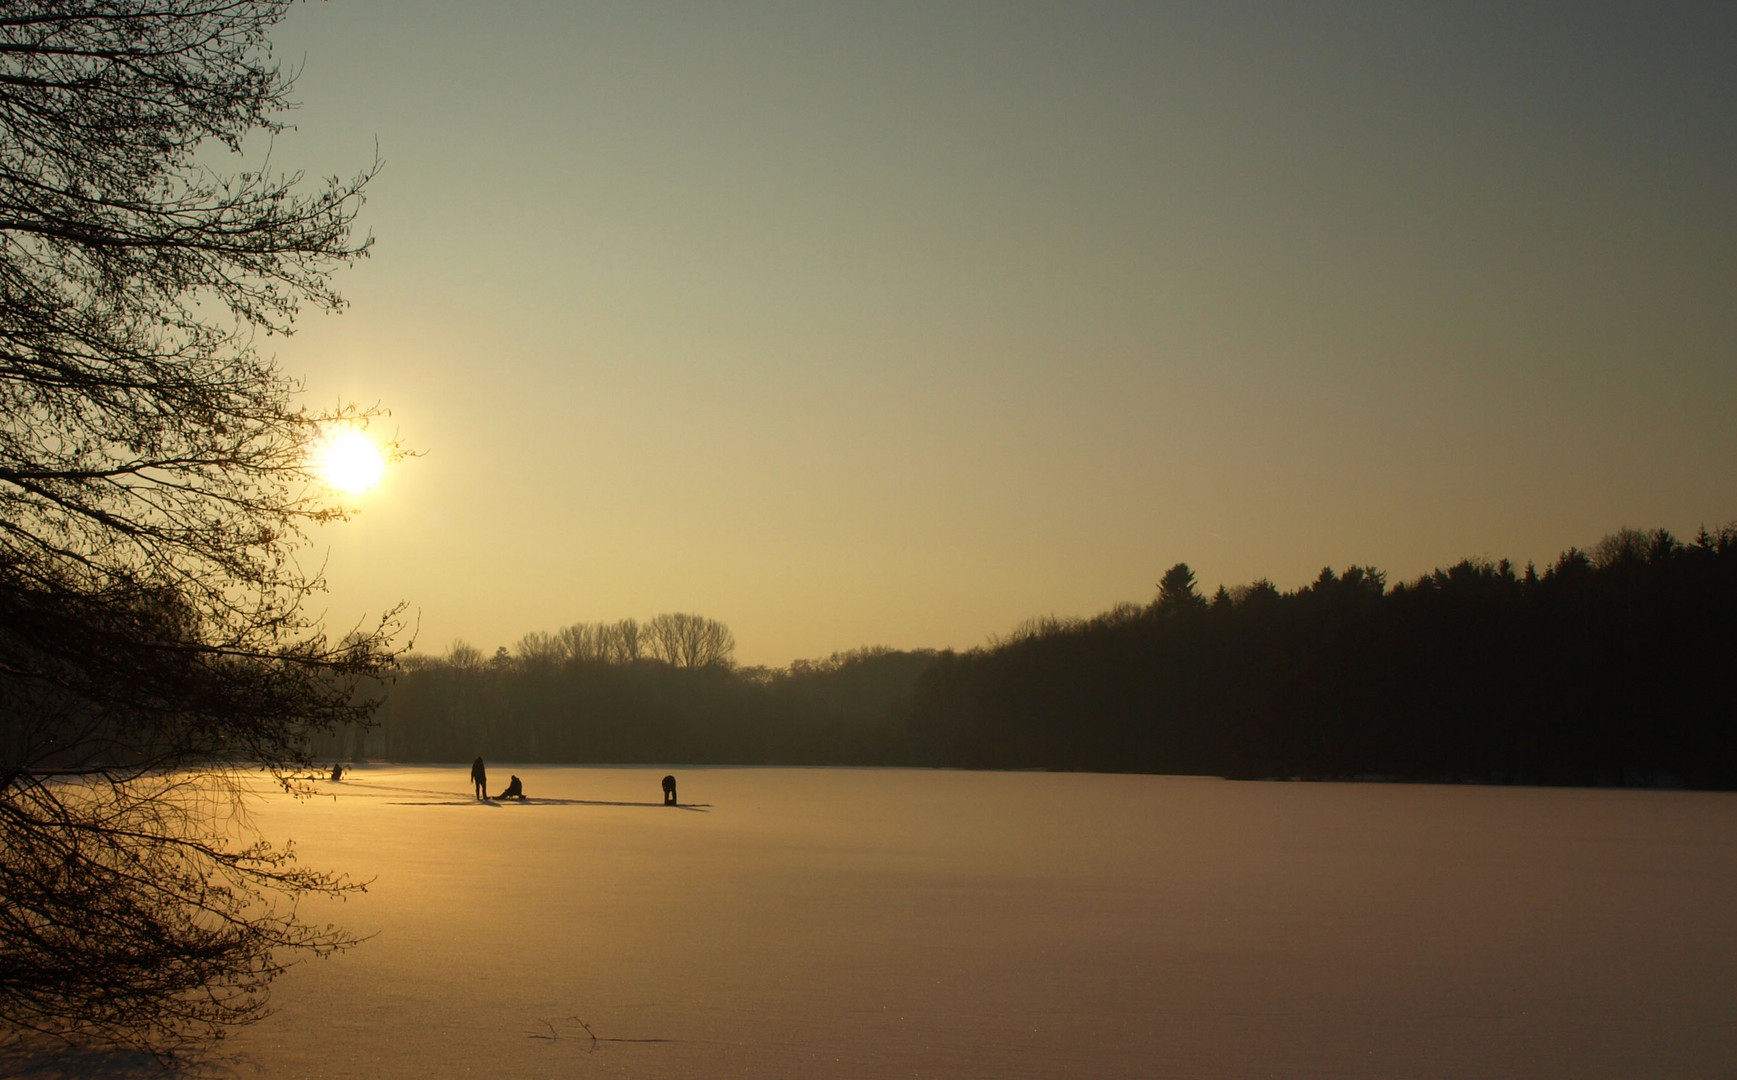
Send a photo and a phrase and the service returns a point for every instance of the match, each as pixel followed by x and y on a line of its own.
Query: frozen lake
pixel 882 923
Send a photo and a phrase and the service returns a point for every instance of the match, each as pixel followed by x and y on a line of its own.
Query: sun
pixel 351 462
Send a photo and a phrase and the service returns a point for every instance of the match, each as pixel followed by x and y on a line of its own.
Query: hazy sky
pixel 896 323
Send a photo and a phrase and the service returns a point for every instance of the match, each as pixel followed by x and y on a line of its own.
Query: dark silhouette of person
pixel 515 790
pixel 669 798
pixel 337 771
pixel 479 778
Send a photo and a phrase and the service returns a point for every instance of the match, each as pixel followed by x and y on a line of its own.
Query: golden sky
pixel 896 323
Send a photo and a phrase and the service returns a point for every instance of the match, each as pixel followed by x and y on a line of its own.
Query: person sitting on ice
pixel 515 790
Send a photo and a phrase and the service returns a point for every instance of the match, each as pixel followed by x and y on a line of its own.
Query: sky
pixel 898 323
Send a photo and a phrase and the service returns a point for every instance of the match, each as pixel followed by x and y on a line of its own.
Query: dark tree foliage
pixel 154 486
pixel 1176 591
pixel 1605 669
pixel 1608 668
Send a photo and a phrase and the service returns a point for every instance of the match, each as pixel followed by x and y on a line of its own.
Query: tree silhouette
pixel 690 641
pixel 1601 669
pixel 1176 591
pixel 155 481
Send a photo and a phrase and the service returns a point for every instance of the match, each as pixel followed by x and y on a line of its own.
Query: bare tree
pixel 586 643
pixel 690 641
pixel 626 641
pixel 602 643
pixel 464 655
pixel 540 649
pixel 155 483
pixel 1627 546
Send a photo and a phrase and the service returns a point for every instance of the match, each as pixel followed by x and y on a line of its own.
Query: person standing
pixel 479 778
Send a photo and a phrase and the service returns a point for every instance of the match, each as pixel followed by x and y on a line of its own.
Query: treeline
pixel 1613 666
pixel 664 690
pixel 1609 666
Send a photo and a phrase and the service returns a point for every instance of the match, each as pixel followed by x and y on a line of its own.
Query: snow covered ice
pixel 881 923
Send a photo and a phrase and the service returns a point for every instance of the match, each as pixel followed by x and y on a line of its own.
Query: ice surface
pixel 885 923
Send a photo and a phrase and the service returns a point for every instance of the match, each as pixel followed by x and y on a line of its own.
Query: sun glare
pixel 351 462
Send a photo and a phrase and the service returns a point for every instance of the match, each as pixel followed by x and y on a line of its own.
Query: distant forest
pixel 1614 665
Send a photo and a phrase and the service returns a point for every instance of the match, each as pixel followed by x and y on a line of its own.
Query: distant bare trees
pixel 680 640
pixel 621 642
pixel 691 641
pixel 604 643
pixel 542 649
pixel 465 655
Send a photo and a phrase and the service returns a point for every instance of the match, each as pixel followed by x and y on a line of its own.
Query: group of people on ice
pixel 479 778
